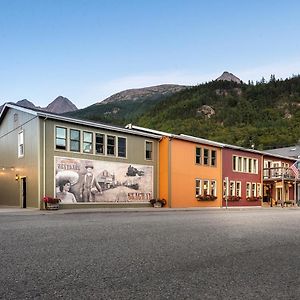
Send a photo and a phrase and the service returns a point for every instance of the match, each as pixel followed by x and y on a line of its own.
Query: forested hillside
pixel 265 114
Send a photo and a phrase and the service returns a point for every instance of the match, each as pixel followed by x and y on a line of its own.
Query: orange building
pixel 190 170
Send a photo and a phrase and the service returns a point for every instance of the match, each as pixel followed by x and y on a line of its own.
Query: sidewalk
pixel 4 210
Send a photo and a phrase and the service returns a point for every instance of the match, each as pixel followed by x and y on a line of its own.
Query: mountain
pixel 226 76
pixel 147 93
pixel 127 105
pixel 60 105
pixel 265 114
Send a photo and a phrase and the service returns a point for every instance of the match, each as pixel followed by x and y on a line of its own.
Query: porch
pixel 280 187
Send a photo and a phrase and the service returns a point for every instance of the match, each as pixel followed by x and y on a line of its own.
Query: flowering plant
pixel 206 197
pixel 253 198
pixel 233 198
pixel 51 200
pixel 163 202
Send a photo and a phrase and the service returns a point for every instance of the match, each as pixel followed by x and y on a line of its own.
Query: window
pixel 213 188
pixel 232 188
pixel 259 189
pixel 245 165
pixel 250 165
pixel 198 155
pixel 205 187
pixel 234 163
pixel 248 189
pixel 205 156
pixel 121 147
pixel 100 138
pixel 238 188
pixel 239 164
pixel 213 158
pixel 21 144
pixel 255 166
pixel 224 188
pixel 149 150
pixel 61 138
pixel 74 140
pixel 253 190
pixel 198 187
pixel 87 142
pixel 111 145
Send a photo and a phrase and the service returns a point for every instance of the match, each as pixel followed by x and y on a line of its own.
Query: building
pixel 280 183
pixel 83 163
pixel 293 151
pixel 190 170
pixel 242 176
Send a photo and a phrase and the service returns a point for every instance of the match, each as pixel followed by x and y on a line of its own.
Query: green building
pixel 81 162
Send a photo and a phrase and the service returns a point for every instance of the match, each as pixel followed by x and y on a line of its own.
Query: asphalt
pixel 150 254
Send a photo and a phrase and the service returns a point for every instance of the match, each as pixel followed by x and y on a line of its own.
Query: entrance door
pixel 279 195
pixel 23 192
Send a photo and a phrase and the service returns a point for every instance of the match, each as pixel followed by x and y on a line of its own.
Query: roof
pixel 293 151
pixel 207 142
pixel 47 115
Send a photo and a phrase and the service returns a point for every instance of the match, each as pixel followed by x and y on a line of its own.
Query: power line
pixel 7 133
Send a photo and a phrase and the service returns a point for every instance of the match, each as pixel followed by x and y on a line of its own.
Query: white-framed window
pixel 253 189
pixel 111 145
pixel 238 188
pixel 234 163
pixel 87 142
pixel 250 165
pixel 245 164
pixel 122 147
pixel 248 189
pixel 224 188
pixel 205 187
pixel 198 155
pixel 75 140
pixel 21 149
pixel 198 187
pixel 239 164
pixel 213 188
pixel 259 192
pixel 60 138
pixel 255 169
pixel 232 188
pixel 149 150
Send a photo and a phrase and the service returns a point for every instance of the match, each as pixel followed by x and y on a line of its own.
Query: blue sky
pixel 89 50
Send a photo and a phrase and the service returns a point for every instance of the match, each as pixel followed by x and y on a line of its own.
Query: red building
pixel 242 176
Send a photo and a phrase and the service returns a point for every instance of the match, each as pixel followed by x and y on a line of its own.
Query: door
pixel 23 192
pixel 279 195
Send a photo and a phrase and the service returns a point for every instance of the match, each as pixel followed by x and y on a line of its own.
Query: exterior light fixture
pixel 17 177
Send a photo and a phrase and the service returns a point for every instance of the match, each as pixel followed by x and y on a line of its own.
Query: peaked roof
pixel 47 115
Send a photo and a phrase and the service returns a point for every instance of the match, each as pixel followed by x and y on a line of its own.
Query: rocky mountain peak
pixel 226 76
pixel 26 103
pixel 61 105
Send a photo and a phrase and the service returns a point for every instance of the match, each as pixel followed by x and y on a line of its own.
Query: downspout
pixel 44 156
pixel 170 172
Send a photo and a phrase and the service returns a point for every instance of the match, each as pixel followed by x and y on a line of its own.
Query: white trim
pixel 152 150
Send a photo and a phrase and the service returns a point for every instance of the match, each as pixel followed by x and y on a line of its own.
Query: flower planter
pixel 52 206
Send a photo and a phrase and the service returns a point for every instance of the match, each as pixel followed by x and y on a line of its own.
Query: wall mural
pixel 81 180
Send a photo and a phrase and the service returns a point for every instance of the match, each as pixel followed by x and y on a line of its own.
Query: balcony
pixel 279 173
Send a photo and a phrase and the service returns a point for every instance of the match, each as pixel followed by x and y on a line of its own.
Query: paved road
pixel 249 254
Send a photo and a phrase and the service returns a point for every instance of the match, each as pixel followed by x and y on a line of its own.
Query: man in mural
pixel 89 185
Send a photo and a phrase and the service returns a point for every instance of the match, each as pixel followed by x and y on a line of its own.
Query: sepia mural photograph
pixel 81 180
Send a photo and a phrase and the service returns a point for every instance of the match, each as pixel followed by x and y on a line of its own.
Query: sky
pixel 87 50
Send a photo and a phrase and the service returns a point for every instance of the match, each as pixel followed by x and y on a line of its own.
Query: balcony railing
pixel 279 173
